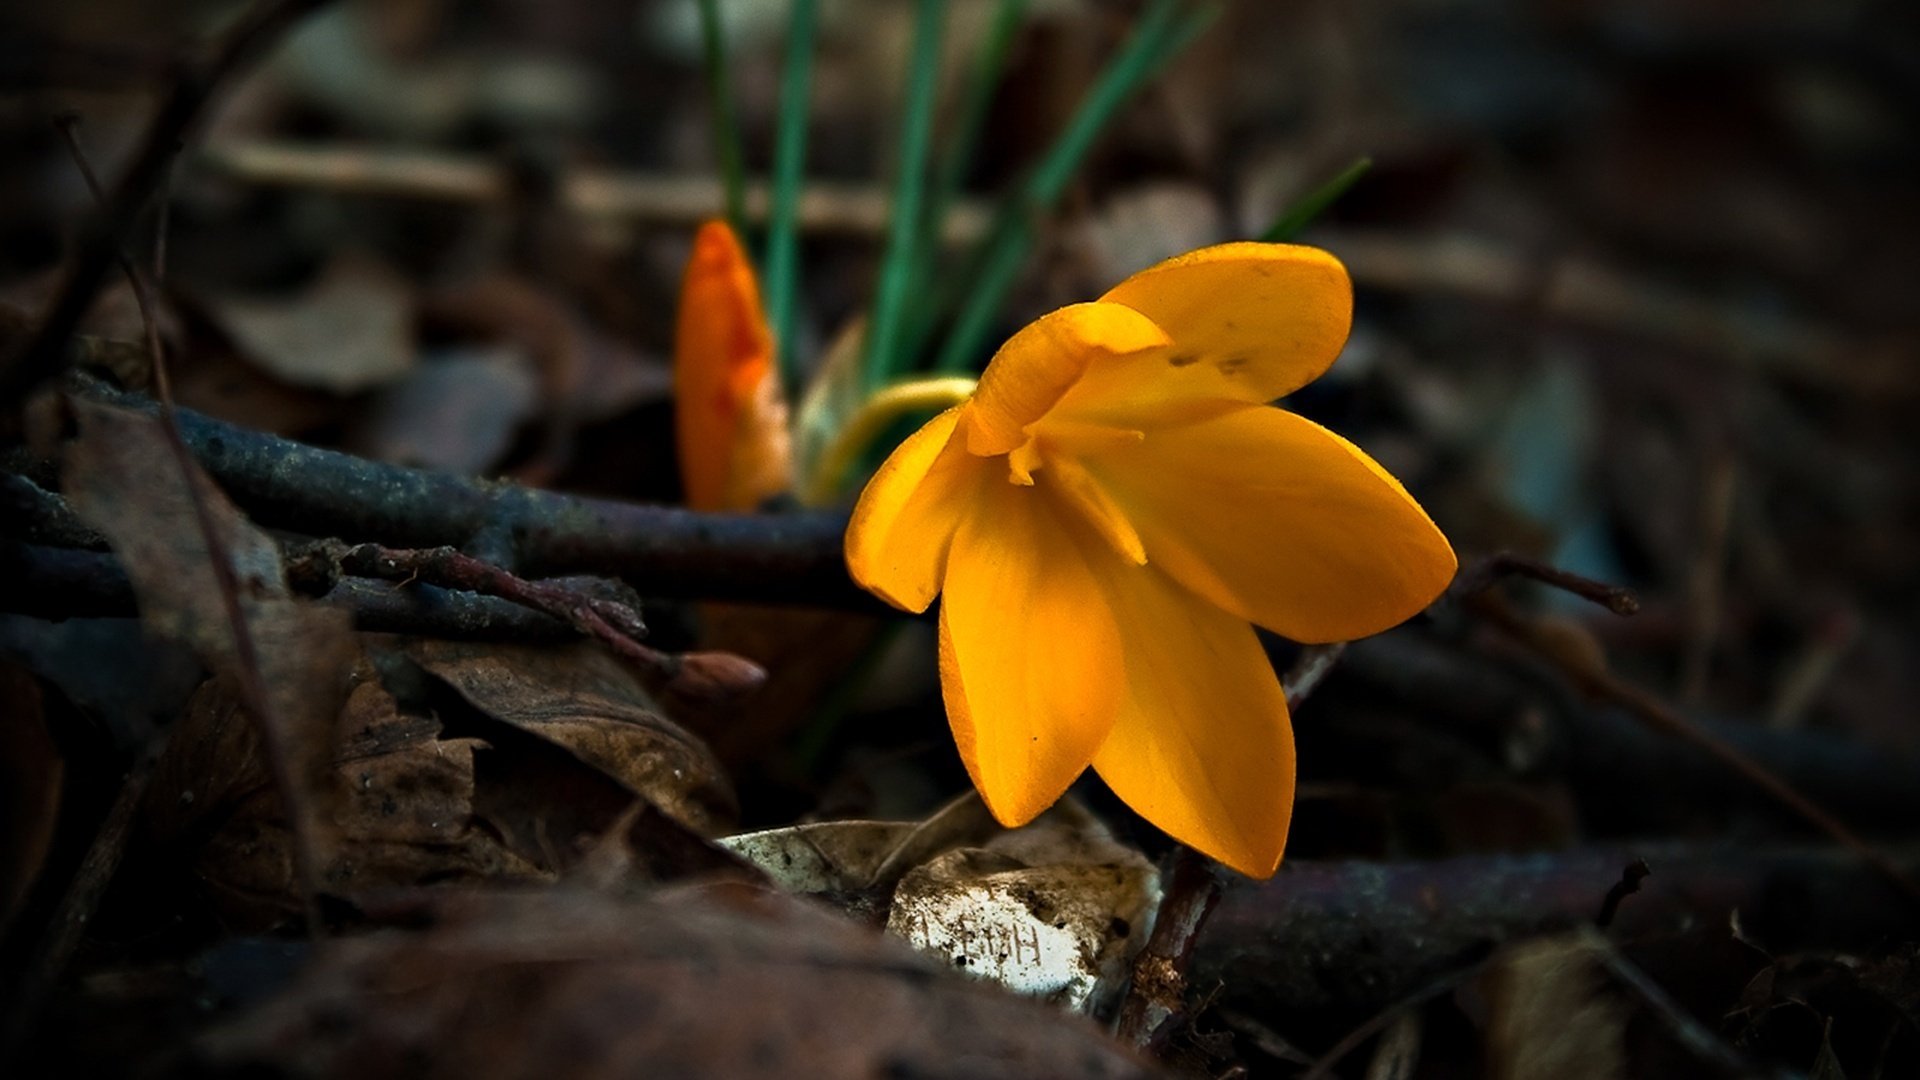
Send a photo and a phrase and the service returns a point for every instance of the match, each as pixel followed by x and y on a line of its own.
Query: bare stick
pixel 701 675
pixel 1157 998
pixel 1494 569
pixel 1596 682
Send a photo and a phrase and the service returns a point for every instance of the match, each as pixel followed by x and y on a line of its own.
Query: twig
pixel 1631 876
pixel 1496 568
pixel 1706 578
pixel 106 238
pixel 709 676
pixel 1156 998
pixel 1680 1024
pixel 1314 664
pixel 1365 935
pixel 659 550
pixel 1627 776
pixel 1383 1019
pixel 59 583
pixel 1595 294
pixel 641 198
pixel 1595 681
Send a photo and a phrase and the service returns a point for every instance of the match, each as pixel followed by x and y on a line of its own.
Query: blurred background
pixel 1636 294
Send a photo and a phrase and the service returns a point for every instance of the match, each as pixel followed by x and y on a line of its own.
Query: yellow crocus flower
pixel 1110 510
pixel 731 420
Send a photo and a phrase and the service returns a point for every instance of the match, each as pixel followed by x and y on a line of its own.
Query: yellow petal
pixel 1249 321
pixel 1029 651
pixel 730 421
pixel 1047 356
pixel 1203 747
pixel 1080 492
pixel 1281 522
pixel 898 537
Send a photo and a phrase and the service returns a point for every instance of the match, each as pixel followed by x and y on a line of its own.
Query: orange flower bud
pixel 735 449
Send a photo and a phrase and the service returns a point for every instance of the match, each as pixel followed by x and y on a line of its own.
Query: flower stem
pixel 725 124
pixel 789 160
pixel 873 417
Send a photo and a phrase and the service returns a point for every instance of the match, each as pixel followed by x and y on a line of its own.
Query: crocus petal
pixel 1080 491
pixel 1039 363
pixel 1281 522
pixel 1250 321
pixel 898 537
pixel 1028 648
pixel 723 381
pixel 1202 747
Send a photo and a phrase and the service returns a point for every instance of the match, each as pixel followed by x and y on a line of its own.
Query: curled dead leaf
pixel 584 700
pixel 515 767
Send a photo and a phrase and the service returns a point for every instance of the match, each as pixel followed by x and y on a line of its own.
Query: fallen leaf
pixel 712 982
pixel 123 476
pixel 457 412
pixel 585 701
pixel 350 330
pixel 404 815
pixel 487 764
pixel 1548 1013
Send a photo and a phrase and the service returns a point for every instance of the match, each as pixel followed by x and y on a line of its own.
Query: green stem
pixel 1160 35
pixel 789 163
pixel 896 270
pixel 726 125
pixel 1302 213
pixel 874 416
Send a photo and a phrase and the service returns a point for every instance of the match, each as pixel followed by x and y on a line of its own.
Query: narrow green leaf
pixel 1302 213
pixel 726 124
pixel 789 164
pixel 964 142
pixel 902 254
pixel 1160 35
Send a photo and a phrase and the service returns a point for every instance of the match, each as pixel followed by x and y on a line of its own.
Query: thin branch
pixel 709 676
pixel 1494 569
pixel 1157 997
pixel 1314 664
pixel 661 551
pixel 1366 935
pixel 1595 681
pixel 826 207
pixel 1631 876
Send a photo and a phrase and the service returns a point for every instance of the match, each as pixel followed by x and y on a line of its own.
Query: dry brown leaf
pixel 351 330
pixel 712 982
pixel 582 699
pixel 1548 1014
pixel 517 767
pixel 122 475
pixel 404 815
